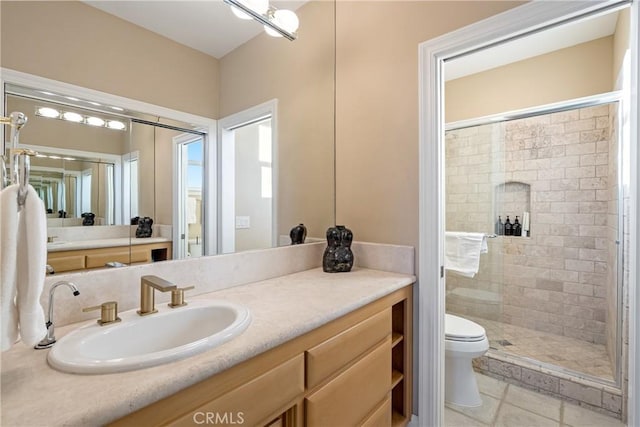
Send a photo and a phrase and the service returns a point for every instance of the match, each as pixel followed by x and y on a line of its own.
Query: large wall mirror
pixel 103 168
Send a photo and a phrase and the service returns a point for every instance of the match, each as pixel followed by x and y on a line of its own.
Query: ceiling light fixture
pixel 277 22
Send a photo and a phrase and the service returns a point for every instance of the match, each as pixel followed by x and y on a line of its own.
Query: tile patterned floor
pixel 507 405
pixel 562 351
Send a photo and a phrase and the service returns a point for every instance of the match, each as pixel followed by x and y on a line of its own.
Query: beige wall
pixel 544 79
pixel 300 76
pixel 377 109
pixel 249 200
pixel 143 141
pixel 75 43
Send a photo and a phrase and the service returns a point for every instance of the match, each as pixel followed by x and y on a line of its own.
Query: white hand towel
pixel 462 252
pixel 32 260
pixel 8 267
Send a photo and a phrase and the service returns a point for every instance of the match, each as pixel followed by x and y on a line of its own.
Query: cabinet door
pixel 381 417
pixel 255 401
pixel 351 396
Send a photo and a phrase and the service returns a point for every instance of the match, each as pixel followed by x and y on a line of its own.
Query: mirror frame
pixel 204 124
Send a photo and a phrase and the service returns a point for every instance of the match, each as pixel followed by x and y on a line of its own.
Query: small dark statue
pixel 134 220
pixel 144 227
pixel 338 257
pixel 298 234
pixel 88 218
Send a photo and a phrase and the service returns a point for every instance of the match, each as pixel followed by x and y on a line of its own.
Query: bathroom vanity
pixel 355 370
pixel 321 349
pixel 89 254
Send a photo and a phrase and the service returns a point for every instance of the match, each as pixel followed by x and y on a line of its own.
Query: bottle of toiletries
pixel 508 227
pixel 499 227
pixel 517 228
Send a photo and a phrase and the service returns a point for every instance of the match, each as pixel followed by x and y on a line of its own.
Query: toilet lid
pixel 459 329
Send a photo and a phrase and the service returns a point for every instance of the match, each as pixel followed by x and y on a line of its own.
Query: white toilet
pixel 464 340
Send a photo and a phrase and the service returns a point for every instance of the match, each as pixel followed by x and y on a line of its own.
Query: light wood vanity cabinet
pixel 65 261
pixel 353 371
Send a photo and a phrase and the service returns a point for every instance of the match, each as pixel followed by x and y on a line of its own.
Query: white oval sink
pixel 140 342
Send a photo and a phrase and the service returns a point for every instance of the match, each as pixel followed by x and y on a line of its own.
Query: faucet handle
pixel 177 297
pixel 108 312
pixel 50 239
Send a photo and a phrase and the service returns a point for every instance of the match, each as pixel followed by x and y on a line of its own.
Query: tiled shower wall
pixel 556 280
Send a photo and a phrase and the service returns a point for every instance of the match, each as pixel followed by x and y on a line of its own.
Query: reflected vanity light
pixel 52 113
pixel 280 22
pixel 117 108
pixel 72 117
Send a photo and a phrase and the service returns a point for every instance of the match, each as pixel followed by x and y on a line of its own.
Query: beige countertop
pixel 74 245
pixel 33 394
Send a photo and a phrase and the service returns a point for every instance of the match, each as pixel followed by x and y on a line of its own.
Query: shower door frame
pixel 531 17
pixel 569 105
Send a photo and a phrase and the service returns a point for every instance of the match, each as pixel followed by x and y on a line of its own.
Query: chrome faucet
pixel 147 286
pixel 50 339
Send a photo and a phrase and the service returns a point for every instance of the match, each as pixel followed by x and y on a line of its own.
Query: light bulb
pixel 285 19
pixel 114 124
pixel 72 117
pixel 258 6
pixel 95 121
pixel 48 112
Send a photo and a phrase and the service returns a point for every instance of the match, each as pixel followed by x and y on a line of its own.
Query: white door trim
pixel 432 54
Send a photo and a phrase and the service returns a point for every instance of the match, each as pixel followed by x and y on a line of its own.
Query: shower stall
pixel 550 298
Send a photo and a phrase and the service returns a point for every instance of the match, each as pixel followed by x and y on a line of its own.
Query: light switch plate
pixel 243 222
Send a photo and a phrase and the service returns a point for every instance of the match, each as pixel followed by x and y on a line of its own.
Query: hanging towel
pixel 462 252
pixel 32 261
pixel 23 255
pixel 525 223
pixel 8 267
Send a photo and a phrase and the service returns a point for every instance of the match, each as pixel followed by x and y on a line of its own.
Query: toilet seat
pixel 462 330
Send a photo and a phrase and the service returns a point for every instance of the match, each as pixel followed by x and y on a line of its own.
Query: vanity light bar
pixel 267 19
pixel 70 116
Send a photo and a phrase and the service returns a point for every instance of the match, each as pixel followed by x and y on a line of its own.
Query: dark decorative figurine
pixel 338 257
pixel 62 214
pixel 144 227
pixel 134 220
pixel 88 218
pixel 298 234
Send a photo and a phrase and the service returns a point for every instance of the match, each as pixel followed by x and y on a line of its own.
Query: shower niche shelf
pixel 512 199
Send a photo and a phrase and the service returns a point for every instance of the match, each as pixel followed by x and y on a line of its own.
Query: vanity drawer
pixel 140 255
pixel 101 258
pixel 348 398
pixel 256 400
pixel 331 355
pixel 66 262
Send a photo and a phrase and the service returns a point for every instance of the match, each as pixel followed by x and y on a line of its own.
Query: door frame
pixel 226 181
pixel 180 164
pixel 533 16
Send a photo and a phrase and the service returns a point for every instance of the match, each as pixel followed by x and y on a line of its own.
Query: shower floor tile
pixel 566 352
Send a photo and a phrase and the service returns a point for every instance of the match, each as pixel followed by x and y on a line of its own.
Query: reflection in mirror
pixel 170 174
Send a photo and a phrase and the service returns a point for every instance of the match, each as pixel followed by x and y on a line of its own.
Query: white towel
pixel 8 267
pixel 462 252
pixel 525 223
pixel 23 260
pixel 32 261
